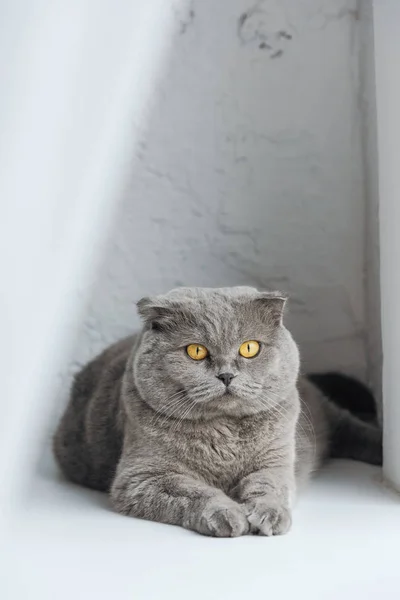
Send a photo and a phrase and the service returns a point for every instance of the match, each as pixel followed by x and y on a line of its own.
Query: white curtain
pixel 76 79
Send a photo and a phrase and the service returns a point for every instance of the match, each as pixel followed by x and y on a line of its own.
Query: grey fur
pixel 158 430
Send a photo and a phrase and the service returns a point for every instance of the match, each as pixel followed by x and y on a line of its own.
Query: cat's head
pixel 206 352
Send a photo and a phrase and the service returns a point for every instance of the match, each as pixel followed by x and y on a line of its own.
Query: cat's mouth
pixel 228 394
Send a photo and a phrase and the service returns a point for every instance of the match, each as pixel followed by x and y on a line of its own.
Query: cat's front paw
pixel 223 519
pixel 267 517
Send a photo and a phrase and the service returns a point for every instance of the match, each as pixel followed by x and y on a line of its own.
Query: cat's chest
pixel 222 452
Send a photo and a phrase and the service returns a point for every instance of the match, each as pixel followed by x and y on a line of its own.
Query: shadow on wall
pixel 249 172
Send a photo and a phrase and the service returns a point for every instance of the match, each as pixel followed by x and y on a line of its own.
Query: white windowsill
pixel 344 544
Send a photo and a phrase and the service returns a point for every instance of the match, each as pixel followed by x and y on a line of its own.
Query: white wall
pixel 250 173
pixel 387 60
pixel 371 234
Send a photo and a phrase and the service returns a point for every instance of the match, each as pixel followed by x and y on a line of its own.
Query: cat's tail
pixel 348 393
pixel 352 416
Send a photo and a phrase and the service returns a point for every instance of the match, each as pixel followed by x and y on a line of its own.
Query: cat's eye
pixel 249 349
pixel 197 351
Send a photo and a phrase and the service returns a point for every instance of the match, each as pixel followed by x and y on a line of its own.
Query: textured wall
pixel 250 172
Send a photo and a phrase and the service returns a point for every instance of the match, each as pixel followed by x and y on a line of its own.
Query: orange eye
pixel 249 349
pixel 197 351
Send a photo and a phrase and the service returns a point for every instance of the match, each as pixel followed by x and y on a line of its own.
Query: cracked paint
pixel 265 26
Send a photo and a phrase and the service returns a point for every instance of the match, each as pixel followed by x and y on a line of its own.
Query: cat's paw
pixel 267 517
pixel 223 518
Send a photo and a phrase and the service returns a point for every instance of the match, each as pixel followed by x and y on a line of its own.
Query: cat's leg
pixel 268 493
pixel 170 495
pixel 352 438
pixel 69 441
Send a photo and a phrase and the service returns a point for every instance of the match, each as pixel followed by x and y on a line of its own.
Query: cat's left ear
pixel 272 304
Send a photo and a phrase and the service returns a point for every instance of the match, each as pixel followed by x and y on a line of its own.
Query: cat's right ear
pixel 153 313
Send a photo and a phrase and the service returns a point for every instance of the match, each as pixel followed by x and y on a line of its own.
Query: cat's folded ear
pixel 161 313
pixel 272 305
pixel 152 311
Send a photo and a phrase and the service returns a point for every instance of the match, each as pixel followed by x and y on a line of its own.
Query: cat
pixel 201 420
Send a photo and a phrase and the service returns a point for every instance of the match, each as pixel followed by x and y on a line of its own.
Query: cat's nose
pixel 226 378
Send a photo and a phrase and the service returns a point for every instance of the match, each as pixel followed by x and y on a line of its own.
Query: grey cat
pixel 201 420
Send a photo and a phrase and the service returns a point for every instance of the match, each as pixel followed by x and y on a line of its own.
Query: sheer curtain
pixel 76 80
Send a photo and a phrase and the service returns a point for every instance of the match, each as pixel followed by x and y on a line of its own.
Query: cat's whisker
pixel 280 410
pixel 165 417
pixel 183 416
pixel 172 419
pixel 173 400
pixel 169 408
